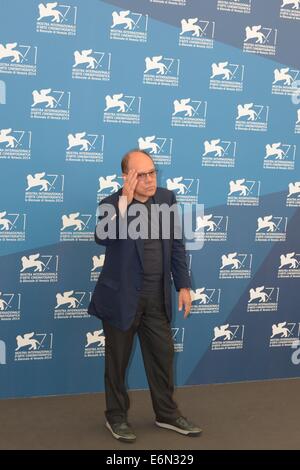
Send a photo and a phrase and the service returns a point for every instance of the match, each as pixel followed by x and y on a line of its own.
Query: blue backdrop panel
pixel 210 89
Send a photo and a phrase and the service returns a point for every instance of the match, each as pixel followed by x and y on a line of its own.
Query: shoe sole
pixel 117 436
pixel 180 431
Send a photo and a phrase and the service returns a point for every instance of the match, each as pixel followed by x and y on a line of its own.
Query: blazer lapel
pixel 139 243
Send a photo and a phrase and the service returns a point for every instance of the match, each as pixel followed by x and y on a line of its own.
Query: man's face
pixel 146 180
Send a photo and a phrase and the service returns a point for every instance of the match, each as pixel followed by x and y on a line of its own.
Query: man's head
pixel 142 162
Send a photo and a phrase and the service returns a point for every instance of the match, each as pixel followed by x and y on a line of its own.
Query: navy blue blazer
pixel 116 294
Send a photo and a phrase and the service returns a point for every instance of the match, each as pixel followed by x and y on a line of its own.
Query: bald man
pixel 133 295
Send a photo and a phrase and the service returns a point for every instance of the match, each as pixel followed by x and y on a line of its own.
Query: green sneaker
pixel 181 425
pixel 121 431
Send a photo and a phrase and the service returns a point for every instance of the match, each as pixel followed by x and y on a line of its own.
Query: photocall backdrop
pixel 210 89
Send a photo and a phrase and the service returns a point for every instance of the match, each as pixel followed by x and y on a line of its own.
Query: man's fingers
pixel 132 188
pixel 131 179
pixel 130 185
pixel 187 309
pixel 186 313
pixel 134 184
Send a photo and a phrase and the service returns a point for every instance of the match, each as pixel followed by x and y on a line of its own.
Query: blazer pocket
pixel 109 282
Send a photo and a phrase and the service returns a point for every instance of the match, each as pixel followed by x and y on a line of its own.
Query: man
pixel 133 295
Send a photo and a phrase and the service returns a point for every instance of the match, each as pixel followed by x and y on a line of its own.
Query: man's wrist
pixel 122 205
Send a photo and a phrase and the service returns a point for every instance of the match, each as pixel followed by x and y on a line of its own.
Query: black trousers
pixel 155 335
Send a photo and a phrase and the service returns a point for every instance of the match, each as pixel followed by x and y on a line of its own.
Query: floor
pixel 251 415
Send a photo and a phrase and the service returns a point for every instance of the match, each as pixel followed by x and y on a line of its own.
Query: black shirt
pixel 153 254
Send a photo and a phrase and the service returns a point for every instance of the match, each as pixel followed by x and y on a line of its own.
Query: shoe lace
pixel 123 425
pixel 182 420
